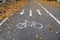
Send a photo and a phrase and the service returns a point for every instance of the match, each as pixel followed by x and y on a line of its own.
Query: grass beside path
pixel 13 7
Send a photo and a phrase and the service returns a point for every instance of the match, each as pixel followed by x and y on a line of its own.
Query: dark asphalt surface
pixel 50 30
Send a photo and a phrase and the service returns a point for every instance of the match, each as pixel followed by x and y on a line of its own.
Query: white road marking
pixel 22 12
pixel 39 27
pixel 28 23
pixel 21 25
pixel 49 13
pixel 3 21
pixel 38 12
pixel 30 14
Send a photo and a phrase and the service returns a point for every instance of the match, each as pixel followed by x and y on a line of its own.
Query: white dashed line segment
pixel 30 13
pixel 38 12
pixel 22 12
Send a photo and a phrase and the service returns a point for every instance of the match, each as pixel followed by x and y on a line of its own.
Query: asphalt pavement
pixel 32 22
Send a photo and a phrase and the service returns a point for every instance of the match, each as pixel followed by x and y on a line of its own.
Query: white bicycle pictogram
pixel 28 23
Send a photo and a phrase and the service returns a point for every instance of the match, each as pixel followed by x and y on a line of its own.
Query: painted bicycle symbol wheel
pixel 32 24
